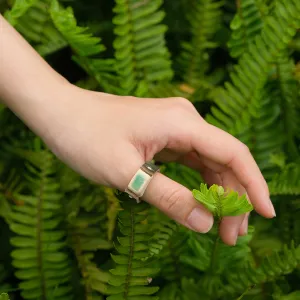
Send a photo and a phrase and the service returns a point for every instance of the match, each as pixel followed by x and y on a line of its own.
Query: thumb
pixel 178 203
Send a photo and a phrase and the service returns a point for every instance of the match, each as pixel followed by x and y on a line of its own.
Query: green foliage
pixel 204 17
pixel 88 233
pixel 246 24
pixel 287 181
pixel 19 9
pixel 238 62
pixel 85 46
pixel 221 203
pixel 208 254
pixel 82 42
pixel 4 297
pixel 271 268
pixel 39 254
pixel 32 19
pixel 140 50
pixel 240 100
pixel 132 274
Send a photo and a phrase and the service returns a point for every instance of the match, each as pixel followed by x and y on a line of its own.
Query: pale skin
pixel 106 138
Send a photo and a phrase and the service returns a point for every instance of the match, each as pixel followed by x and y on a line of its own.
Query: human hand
pixel 107 138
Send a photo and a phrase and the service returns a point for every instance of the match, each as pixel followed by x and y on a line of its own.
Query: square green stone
pixel 138 182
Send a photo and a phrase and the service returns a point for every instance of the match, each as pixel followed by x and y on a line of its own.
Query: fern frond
pixel 88 214
pixel 246 24
pixel 131 276
pixel 163 229
pixel 88 232
pixel 85 46
pixel 182 174
pixel 32 20
pixel 187 289
pixel 221 203
pixel 172 269
pixel 18 10
pixel 265 136
pixel 38 256
pixel 208 254
pixel 83 43
pixel 287 181
pixel 288 90
pixel 271 268
pixel 238 101
pixel 140 47
pixel 205 19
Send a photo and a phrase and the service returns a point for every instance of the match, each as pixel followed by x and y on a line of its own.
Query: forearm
pixel 28 85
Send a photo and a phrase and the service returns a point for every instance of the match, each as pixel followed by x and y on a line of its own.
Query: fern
pixel 238 101
pixel 272 267
pixel 288 90
pixel 246 24
pixel 204 17
pixel 90 229
pixel 172 269
pixel 207 254
pixel 287 181
pixel 85 47
pixel 222 203
pixel 83 43
pixel 187 177
pixel 186 290
pixel 62 227
pixel 19 9
pixel 131 276
pixel 163 229
pixel 31 18
pixel 38 256
pixel 262 145
pixel 140 49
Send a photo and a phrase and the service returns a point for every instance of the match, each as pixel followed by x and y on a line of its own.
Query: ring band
pixel 139 182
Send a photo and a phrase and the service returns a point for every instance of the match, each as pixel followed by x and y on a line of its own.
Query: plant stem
pixel 213 261
pixel 247 290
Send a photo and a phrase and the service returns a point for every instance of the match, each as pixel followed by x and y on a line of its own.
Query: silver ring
pixel 140 181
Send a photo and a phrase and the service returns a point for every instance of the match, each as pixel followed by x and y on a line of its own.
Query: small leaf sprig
pixel 222 203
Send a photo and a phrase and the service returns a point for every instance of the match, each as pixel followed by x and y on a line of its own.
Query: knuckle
pixel 184 103
pixel 180 106
pixel 244 148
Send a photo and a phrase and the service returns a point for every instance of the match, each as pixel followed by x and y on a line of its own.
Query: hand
pixel 107 138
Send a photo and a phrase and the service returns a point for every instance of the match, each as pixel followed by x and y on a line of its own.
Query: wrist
pixel 38 106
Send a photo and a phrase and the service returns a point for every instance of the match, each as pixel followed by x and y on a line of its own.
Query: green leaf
pixel 222 203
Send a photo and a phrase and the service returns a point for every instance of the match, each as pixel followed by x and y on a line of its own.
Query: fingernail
pixel 200 220
pixel 272 208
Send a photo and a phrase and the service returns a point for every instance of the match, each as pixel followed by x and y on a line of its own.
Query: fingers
pixel 229 229
pixel 244 227
pixel 177 202
pixel 221 147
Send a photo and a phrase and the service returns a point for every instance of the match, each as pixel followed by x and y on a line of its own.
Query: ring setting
pixel 140 181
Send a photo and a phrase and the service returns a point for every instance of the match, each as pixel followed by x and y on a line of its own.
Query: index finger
pixel 221 147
